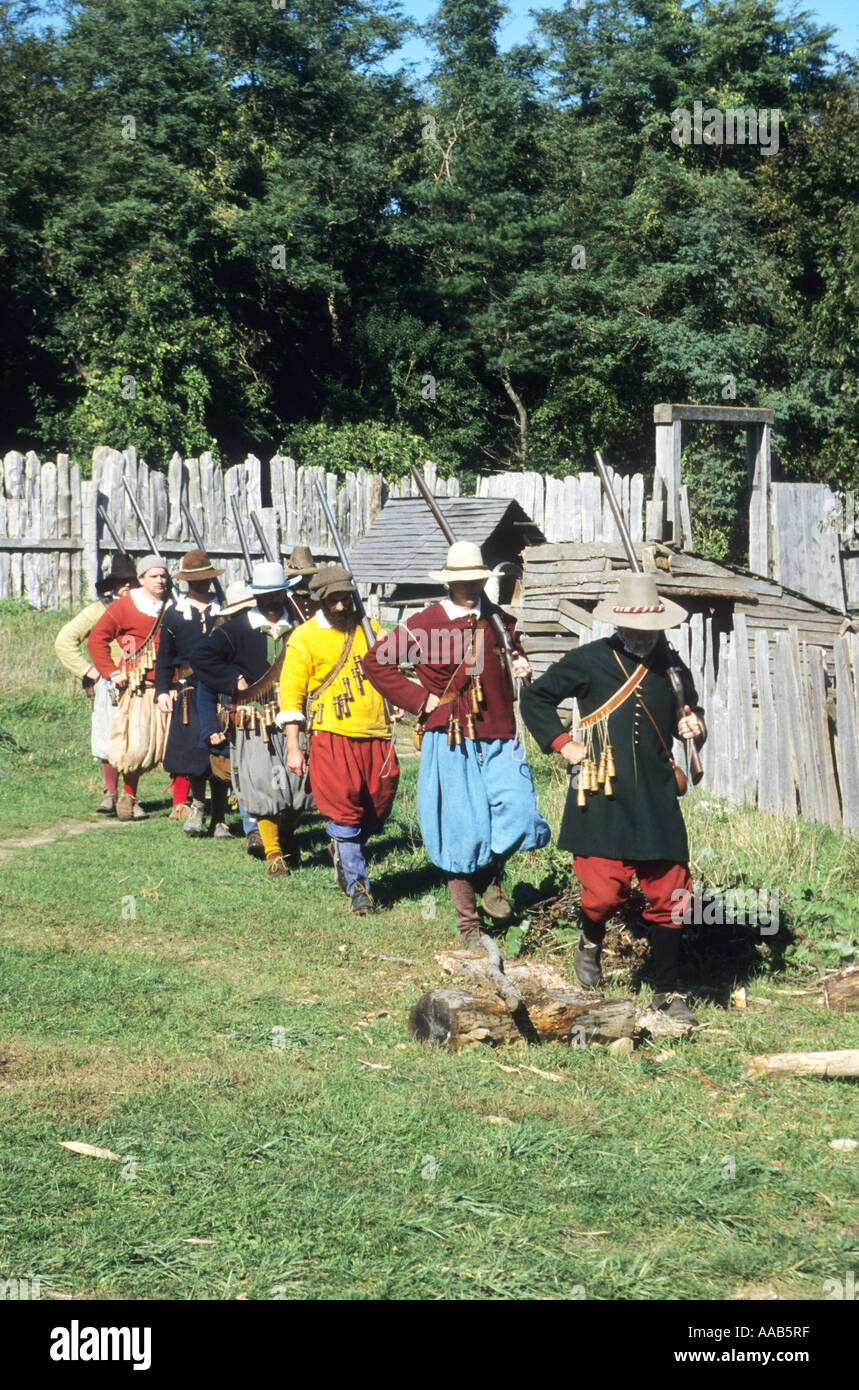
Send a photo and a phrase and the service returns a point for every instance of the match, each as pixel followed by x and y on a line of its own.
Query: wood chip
pixel 622 1047
pixel 844 1144
pixel 739 999
pixel 89 1150
pixel 197 1240
pixel 374 1066
pixel 498 1120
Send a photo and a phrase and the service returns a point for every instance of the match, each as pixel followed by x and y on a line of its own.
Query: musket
pixel 495 622
pixel 148 536
pixel 192 527
pixel 269 555
pixel 672 676
pixel 114 534
pixel 243 540
pixel 366 627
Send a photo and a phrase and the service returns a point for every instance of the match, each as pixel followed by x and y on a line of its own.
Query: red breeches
pixel 346 778
pixel 606 883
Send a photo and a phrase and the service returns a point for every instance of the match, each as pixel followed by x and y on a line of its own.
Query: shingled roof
pixel 404 542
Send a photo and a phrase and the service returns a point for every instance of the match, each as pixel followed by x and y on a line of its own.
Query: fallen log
pixel 457 1019
pixel 832 1064
pixel 841 991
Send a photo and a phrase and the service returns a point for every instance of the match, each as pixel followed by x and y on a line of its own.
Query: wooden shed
pixel 404 543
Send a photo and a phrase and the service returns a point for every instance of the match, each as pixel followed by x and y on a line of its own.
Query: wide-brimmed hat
pixel 464 561
pixel 331 579
pixel 239 595
pixel 197 566
pixel 121 572
pixel 150 562
pixel 638 604
pixel 267 577
pixel 301 561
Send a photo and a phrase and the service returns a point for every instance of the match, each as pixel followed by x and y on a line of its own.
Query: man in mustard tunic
pixel 352 764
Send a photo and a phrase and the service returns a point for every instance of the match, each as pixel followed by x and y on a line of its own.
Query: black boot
pixel 586 957
pixel 667 999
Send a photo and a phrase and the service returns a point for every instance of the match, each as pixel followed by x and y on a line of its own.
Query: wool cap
pixel 150 562
pixel 331 579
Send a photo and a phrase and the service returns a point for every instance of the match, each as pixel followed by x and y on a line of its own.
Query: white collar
pixel 187 609
pixel 454 611
pixel 150 607
pixel 259 620
pixel 322 619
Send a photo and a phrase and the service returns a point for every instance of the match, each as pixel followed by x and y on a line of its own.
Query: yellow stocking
pixel 270 837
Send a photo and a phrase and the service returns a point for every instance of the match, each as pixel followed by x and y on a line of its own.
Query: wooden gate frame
pixel 668 420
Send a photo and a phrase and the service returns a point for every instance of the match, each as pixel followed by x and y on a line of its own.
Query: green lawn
pixel 242 1047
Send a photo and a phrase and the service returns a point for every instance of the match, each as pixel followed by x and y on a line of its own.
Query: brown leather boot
pixel 124 807
pixel 277 867
pixel 107 805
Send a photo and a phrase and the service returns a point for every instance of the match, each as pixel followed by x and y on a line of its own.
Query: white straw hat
pixel 638 604
pixel 464 561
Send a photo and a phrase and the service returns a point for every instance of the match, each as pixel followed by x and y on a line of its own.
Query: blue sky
pixel 843 14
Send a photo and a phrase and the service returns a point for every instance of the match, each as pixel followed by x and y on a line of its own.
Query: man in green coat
pixel 622 816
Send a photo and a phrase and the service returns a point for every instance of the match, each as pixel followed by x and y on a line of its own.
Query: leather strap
pixel 313 695
pixel 618 698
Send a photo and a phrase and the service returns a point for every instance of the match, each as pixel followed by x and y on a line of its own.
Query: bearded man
pixel 350 755
pixel 622 817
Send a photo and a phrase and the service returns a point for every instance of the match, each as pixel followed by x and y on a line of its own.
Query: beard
pixel 343 622
pixel 641 644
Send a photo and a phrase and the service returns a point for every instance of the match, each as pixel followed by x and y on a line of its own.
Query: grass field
pixel 242 1046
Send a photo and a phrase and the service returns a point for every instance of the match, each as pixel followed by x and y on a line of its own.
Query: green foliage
pixel 369 444
pixel 240 210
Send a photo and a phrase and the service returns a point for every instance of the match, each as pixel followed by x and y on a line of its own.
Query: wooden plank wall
pixel 53 544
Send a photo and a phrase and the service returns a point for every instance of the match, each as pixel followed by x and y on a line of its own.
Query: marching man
pixel 476 803
pixel 240 662
pixel 72 652
pixel 622 816
pixel 353 767
pixel 185 758
pixel 139 730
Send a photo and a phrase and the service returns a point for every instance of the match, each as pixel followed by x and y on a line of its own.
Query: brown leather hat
pixel 197 566
pixel 332 579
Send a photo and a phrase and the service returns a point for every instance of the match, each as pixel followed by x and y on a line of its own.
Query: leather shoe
pixel 494 903
pixel 361 900
pixel 675 1006
pixel 254 845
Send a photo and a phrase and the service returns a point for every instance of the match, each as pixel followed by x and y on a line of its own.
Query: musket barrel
pixel 618 516
pixel 150 539
pixel 243 540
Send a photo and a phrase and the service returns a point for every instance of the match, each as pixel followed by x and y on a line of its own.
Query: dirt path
pixel 51 833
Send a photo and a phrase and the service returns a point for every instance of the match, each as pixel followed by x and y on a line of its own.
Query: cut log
pixel 457 1019
pixel 841 991
pixel 844 1063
